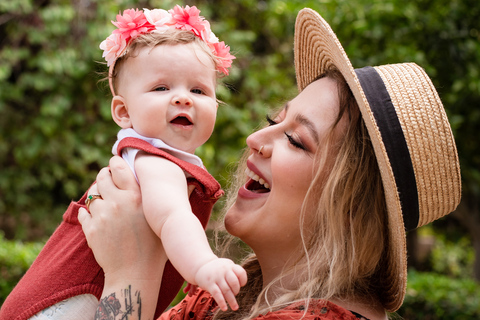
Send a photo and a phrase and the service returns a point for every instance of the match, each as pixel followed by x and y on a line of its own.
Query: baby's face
pixel 169 92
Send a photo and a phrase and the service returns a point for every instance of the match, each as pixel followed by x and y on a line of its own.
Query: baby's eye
pixel 197 91
pixel 161 88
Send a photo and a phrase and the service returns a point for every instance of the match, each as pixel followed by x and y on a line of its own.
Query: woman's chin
pixel 237 220
pixel 231 221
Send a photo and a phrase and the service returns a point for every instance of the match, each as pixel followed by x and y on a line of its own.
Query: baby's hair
pixel 153 39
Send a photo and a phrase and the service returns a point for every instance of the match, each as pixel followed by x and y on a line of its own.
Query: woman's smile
pixel 280 170
pixel 256 183
pixel 256 186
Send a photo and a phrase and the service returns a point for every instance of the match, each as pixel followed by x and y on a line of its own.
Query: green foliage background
pixel 55 126
pixel 429 295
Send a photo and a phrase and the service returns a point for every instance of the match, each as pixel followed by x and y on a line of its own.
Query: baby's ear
pixel 120 112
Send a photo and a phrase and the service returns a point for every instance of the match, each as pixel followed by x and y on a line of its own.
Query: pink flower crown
pixel 135 22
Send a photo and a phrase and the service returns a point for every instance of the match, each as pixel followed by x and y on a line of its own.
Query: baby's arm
pixel 169 214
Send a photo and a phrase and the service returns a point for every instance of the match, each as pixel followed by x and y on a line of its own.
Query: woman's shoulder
pixel 313 310
pixel 201 305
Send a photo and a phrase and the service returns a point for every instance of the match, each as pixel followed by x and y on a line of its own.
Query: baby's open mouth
pixel 183 121
pixel 256 184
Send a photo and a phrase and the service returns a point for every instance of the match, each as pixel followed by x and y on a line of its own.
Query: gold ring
pixel 90 199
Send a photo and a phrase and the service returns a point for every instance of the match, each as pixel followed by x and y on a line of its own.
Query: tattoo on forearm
pixel 110 307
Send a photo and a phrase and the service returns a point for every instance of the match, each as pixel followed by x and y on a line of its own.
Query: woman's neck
pixel 273 265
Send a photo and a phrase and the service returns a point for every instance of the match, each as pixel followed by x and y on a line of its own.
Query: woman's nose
pixel 259 142
pixel 182 100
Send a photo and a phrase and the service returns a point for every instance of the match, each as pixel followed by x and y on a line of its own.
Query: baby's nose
pixel 182 100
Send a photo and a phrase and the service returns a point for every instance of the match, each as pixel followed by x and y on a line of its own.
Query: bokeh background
pixel 56 131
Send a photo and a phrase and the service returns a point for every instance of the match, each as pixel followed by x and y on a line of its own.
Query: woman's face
pixel 266 217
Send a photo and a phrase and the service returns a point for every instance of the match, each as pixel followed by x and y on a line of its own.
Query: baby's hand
pixel 223 279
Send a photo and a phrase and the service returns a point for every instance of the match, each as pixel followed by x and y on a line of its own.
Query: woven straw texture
pixel 425 127
pixel 429 138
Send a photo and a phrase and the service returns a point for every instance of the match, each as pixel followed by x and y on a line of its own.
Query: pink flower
pixel 207 35
pixel 112 47
pixel 160 18
pixel 131 24
pixel 223 52
pixel 134 22
pixel 188 18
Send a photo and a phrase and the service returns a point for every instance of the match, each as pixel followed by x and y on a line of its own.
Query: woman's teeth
pixel 255 177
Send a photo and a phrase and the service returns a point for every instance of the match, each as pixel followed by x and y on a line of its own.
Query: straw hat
pixel 410 133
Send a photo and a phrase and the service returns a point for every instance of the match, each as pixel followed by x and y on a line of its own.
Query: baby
pixel 163 68
pixel 163 84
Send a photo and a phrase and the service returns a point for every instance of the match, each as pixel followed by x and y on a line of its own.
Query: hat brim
pixel 317 49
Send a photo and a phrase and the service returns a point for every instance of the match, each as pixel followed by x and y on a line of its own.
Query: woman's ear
pixel 120 112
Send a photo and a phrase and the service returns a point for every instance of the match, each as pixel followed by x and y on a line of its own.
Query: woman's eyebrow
pixel 305 122
pixel 309 125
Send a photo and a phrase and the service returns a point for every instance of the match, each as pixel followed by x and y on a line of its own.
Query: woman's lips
pixel 256 186
pixel 253 173
pixel 249 194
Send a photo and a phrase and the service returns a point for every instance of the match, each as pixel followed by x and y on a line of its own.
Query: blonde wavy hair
pixel 343 221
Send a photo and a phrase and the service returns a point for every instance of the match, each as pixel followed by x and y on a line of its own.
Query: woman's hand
pixel 124 245
pixel 116 229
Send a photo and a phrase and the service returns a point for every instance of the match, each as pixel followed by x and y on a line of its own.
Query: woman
pixel 357 158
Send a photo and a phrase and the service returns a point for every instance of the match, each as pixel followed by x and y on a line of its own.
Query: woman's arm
pixel 130 254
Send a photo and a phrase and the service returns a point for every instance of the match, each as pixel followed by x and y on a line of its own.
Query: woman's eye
pixel 161 88
pixel 270 121
pixel 294 142
pixel 197 91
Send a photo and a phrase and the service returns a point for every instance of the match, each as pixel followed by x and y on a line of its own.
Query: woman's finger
pixel 85 220
pixel 122 176
pixel 83 216
pixel 93 189
pixel 92 196
pixel 104 181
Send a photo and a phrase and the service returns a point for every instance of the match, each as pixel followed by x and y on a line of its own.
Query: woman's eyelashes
pixel 294 142
pixel 290 138
pixel 270 121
